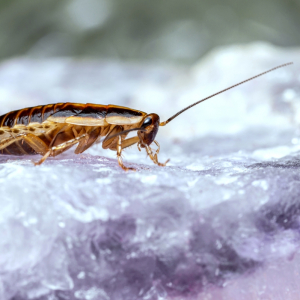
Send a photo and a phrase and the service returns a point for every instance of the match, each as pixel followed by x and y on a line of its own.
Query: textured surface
pixel 220 222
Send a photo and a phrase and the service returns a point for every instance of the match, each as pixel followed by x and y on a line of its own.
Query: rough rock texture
pixel 221 221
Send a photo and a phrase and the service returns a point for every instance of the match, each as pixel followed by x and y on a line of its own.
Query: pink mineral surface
pixel 221 221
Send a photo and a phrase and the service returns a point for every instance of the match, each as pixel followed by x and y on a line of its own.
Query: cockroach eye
pixel 110 121
pixel 147 122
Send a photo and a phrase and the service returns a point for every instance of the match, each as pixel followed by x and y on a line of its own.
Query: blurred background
pixel 169 30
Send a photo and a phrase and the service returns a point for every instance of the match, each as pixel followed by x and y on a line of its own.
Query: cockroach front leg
pixel 158 148
pixel 154 156
pixel 139 146
pixel 119 153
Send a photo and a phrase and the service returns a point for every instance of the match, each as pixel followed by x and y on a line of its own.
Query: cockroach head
pixel 150 125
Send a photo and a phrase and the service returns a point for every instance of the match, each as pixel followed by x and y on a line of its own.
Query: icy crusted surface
pixel 220 222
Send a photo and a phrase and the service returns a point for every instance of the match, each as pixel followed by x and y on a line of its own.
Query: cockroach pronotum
pixel 52 129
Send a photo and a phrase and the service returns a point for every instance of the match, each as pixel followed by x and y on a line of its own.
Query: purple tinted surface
pixel 221 221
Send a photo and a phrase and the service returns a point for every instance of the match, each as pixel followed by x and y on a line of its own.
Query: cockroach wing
pixel 120 115
pixel 66 111
pixel 91 115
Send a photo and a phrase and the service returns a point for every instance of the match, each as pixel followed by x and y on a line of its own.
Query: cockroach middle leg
pixel 63 147
pixel 62 130
pixel 129 142
pixel 48 153
pixel 74 132
pixel 119 155
pixel 90 139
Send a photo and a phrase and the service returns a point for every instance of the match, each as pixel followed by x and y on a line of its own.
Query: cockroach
pixel 52 129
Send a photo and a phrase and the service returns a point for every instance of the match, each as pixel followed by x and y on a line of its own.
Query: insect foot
pixel 52 129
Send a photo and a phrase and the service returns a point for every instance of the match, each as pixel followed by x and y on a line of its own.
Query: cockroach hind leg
pixel 62 147
pixel 48 153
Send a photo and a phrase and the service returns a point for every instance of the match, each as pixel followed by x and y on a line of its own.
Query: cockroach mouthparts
pixel 52 129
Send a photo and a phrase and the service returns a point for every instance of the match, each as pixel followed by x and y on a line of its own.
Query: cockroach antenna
pixel 67 124
pixel 220 92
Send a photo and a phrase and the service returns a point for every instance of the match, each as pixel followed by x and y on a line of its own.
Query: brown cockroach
pixel 52 129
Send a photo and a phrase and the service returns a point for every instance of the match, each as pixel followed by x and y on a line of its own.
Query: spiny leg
pixel 62 130
pixel 89 140
pixel 47 154
pixel 139 146
pixel 154 156
pixel 111 142
pixel 64 146
pixel 158 147
pixel 130 141
pixel 37 144
pixel 74 132
pixel 20 147
pixel 6 142
pixel 119 153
